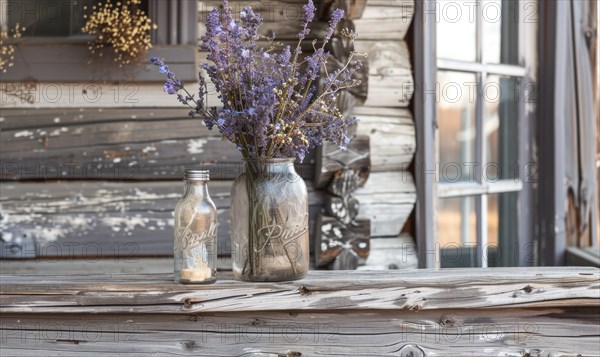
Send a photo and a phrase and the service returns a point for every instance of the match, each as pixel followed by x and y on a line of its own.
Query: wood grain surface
pixel 457 312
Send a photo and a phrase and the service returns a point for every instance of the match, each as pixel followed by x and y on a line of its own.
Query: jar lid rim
pixel 196 175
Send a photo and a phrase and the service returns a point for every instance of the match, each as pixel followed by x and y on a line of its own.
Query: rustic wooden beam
pixel 483 312
pixel 114 144
pixel 387 198
pixel 391 83
pixel 97 219
pixel 499 288
pixel 391 134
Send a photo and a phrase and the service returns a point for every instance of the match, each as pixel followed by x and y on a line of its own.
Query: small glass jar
pixel 195 246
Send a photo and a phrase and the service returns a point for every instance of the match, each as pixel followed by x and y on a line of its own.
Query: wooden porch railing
pixel 460 312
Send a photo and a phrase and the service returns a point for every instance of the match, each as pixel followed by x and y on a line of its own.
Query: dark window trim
pixel 66 59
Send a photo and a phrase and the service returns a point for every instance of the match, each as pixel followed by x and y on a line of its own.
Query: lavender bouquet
pixel 276 106
pixel 271 103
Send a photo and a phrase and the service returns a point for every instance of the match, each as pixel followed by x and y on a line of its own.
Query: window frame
pixel 65 58
pixel 429 189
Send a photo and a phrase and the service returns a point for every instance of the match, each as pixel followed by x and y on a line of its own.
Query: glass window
pixel 500 24
pixel 48 18
pixel 457 30
pixel 457 124
pixel 457 225
pixel 502 231
pixel 501 97
pixel 479 114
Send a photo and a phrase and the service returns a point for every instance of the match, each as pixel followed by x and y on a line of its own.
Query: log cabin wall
pixel 94 169
pixel 389 196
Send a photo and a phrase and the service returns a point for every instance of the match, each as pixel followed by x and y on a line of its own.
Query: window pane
pixel 457 229
pixel 456 30
pixel 456 120
pixel 48 17
pixel 502 230
pixel 501 96
pixel 500 21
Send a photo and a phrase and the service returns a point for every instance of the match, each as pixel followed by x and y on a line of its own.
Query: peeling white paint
pixel 23 133
pixel 142 195
pixel 148 149
pixel 195 146
pixel 57 120
pixel 116 160
pixel 128 224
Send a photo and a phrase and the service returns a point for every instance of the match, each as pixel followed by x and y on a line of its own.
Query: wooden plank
pixel 387 199
pixel 60 63
pixel 385 20
pixel 87 94
pixel 282 18
pixel 95 265
pixel 390 78
pixel 500 288
pixel 114 144
pixel 392 137
pixel 391 253
pixel 547 332
pixel 95 219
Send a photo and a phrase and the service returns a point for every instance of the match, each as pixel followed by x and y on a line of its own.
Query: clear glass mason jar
pixel 269 222
pixel 195 246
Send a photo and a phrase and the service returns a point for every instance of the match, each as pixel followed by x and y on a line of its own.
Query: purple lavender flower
pixel 336 17
pixel 271 104
pixel 172 85
pixel 309 15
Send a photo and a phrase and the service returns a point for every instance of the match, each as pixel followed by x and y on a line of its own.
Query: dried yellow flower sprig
pixel 123 26
pixel 7 51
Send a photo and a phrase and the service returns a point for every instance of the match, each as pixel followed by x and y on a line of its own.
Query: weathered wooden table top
pixel 477 312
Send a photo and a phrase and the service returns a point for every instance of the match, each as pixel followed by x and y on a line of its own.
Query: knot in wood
pixel 447 321
pixel 187 303
pixel 189 345
pixel 196 318
pixel 290 354
pixel 415 307
pixel 303 290
pixel 528 289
